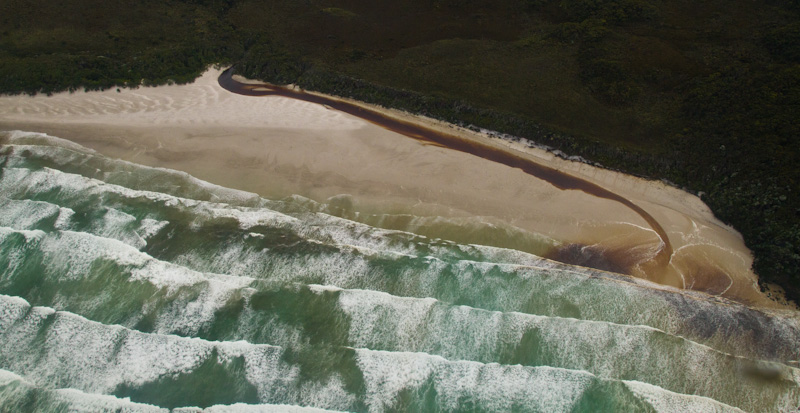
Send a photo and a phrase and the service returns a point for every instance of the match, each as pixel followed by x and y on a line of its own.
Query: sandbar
pixel 278 146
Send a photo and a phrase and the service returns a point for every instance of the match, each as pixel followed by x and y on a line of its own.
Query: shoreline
pixel 559 179
pixel 275 146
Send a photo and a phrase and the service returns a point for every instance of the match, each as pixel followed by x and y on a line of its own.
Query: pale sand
pixel 277 147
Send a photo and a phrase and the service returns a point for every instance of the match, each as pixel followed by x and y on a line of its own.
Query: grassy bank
pixel 706 95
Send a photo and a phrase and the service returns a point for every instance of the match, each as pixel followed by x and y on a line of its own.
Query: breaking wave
pixel 125 287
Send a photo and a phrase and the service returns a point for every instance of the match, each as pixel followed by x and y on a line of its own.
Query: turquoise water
pixel 130 288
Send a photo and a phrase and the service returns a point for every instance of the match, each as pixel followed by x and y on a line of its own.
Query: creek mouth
pixel 561 180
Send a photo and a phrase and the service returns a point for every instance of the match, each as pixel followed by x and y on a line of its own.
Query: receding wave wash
pixel 130 288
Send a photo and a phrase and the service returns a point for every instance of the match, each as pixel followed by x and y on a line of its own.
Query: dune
pixel 278 146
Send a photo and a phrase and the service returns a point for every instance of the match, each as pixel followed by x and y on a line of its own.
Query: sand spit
pixel 278 146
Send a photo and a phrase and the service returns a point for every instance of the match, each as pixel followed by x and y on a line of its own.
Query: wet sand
pixel 277 146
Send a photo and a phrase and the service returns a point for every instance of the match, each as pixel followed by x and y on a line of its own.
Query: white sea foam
pixel 342 270
pixel 340 231
pixel 66 152
pixel 247 217
pixel 118 225
pixel 26 214
pixel 666 401
pixel 70 400
pixel 368 310
pixel 319 289
pixel 76 401
pixel 150 227
pixel 495 387
pixel 7 377
pixel 254 408
pixel 13 310
pixel 18 137
pixel 16 257
pixel 64 217
pixel 22 182
pixel 487 387
pixel 71 254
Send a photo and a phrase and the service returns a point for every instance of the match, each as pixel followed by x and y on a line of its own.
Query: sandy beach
pixel 277 147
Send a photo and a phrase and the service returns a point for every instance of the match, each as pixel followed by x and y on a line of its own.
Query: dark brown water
pixel 555 177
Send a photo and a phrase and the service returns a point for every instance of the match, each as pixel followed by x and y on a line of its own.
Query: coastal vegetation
pixel 705 95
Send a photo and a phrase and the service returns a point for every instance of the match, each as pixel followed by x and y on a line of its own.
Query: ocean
pixel 131 288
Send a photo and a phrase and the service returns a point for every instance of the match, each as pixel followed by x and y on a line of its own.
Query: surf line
pixel 559 179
